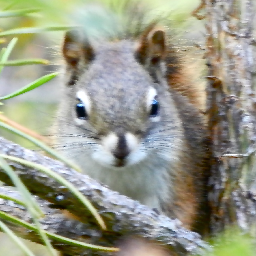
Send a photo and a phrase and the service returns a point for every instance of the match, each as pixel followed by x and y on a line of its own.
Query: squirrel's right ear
pixel 152 46
pixel 76 49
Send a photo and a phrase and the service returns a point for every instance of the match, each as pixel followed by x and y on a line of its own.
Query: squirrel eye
pixel 154 108
pixel 80 111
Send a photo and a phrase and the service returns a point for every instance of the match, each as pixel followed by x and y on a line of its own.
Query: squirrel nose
pixel 121 154
pixel 121 151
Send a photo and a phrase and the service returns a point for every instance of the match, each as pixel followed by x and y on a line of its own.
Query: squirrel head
pixel 118 95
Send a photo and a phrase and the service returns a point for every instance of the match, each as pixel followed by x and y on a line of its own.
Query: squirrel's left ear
pixel 76 48
pixel 77 52
pixel 152 46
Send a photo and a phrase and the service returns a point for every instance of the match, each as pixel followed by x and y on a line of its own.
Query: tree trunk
pixel 230 55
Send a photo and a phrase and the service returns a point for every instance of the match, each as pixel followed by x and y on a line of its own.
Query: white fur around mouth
pixel 107 159
pixel 104 154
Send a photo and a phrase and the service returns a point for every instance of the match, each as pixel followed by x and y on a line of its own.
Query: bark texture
pixel 230 55
pixel 123 216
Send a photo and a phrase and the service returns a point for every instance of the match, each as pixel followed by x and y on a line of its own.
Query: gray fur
pixel 117 86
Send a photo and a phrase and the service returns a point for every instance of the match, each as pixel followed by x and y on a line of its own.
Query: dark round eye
pixel 80 111
pixel 154 108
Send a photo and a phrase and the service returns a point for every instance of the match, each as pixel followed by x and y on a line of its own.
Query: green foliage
pixel 233 243
pixel 17 13
pixel 32 86
pixel 31 205
pixel 34 30
pixel 61 239
pixel 24 62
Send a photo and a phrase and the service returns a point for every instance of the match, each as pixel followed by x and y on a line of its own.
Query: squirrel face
pixel 116 99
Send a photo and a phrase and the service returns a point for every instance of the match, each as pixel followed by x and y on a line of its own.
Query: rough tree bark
pixel 123 216
pixel 230 44
pixel 231 107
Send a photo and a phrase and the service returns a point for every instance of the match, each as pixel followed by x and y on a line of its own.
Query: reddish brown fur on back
pixel 184 77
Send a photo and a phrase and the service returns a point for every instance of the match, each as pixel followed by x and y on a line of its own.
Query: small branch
pixel 122 215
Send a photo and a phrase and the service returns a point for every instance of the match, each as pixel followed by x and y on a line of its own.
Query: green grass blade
pixel 12 199
pixel 44 238
pixel 9 49
pixel 61 239
pixel 16 240
pixel 2 53
pixel 10 5
pixel 64 182
pixel 34 30
pixel 31 204
pixel 41 145
pixel 17 13
pixel 6 52
pixel 31 86
pixel 24 62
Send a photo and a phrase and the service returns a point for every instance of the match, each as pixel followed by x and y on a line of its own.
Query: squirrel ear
pixel 152 47
pixel 75 48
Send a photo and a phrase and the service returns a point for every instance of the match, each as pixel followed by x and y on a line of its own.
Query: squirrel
pixel 129 117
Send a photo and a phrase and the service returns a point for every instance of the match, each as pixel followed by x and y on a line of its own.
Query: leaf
pixel 10 5
pixel 61 239
pixel 5 52
pixel 17 13
pixel 31 86
pixel 34 30
pixel 31 205
pixel 12 199
pixel 24 62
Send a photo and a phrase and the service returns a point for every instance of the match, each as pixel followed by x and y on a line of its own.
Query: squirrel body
pixel 122 122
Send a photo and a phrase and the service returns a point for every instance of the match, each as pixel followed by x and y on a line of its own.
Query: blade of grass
pixel 9 49
pixel 12 199
pixel 24 62
pixel 64 182
pixel 16 240
pixel 40 81
pixel 44 237
pixel 31 205
pixel 34 30
pixel 2 53
pixel 41 145
pixel 17 13
pixel 9 6
pixel 6 53
pixel 61 239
